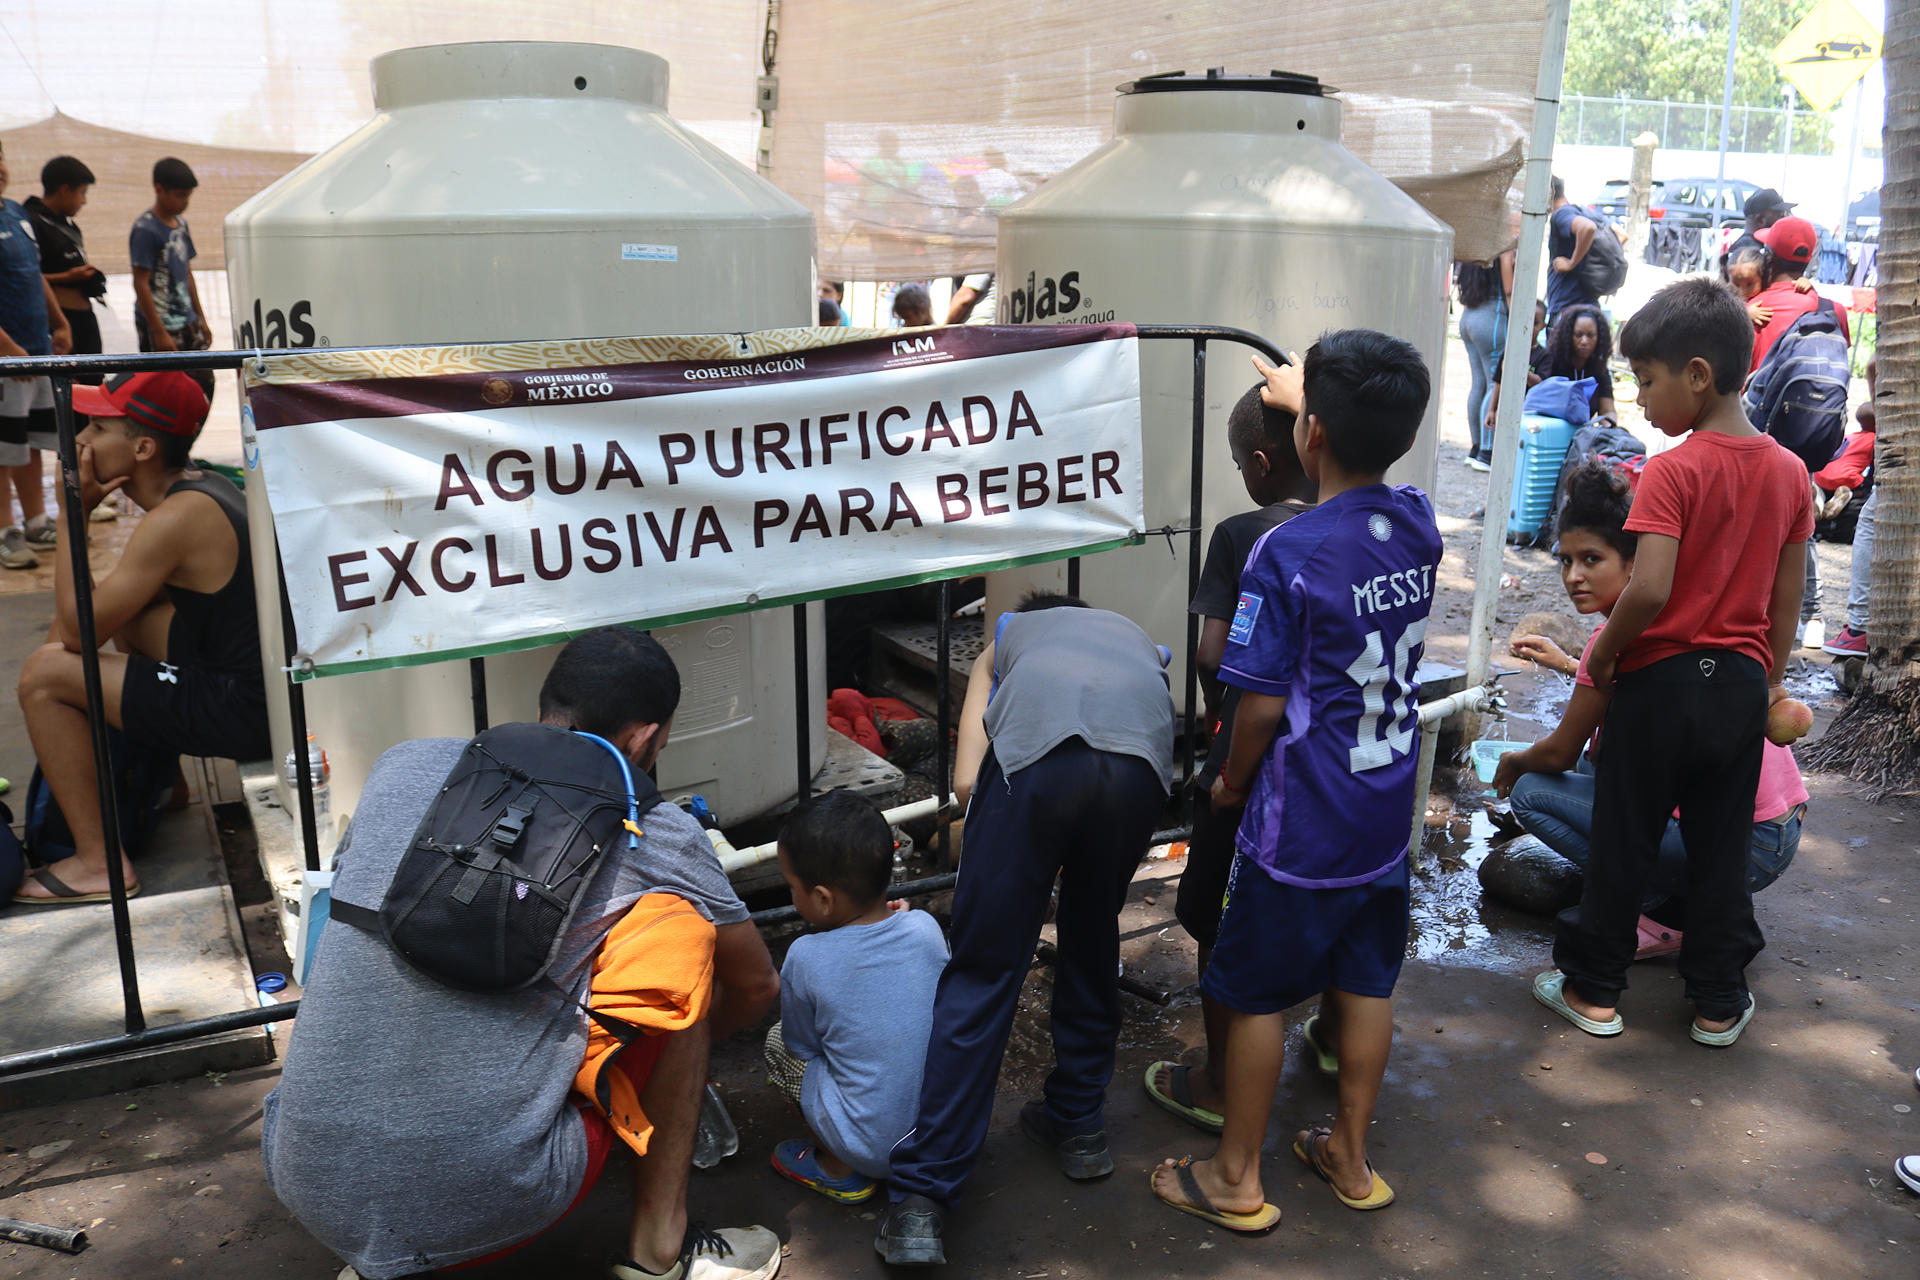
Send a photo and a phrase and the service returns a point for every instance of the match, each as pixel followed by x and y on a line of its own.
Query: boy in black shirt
pixel 1261 441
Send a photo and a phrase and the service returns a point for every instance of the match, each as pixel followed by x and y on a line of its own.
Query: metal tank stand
pixel 63 369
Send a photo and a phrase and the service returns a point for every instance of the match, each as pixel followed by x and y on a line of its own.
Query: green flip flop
pixel 1177 1097
pixel 1326 1058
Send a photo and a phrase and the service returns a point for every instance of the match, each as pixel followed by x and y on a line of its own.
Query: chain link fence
pixel 1692 126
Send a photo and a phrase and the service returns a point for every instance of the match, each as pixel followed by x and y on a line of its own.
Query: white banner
pixel 436 503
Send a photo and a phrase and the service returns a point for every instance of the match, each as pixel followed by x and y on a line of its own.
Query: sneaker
pixel 14 551
pixel 1083 1157
pixel 1907 1169
pixel 1479 463
pixel 41 534
pixel 1848 644
pixel 909 1234
pixel 1815 634
pixel 107 512
pixel 731 1253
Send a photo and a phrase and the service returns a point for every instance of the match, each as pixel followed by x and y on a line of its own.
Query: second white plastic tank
pixel 1224 200
pixel 529 190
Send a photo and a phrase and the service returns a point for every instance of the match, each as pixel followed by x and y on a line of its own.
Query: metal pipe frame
pixel 62 369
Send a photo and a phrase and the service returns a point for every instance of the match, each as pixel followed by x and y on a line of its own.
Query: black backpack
pixel 1615 446
pixel 1604 268
pixel 1798 395
pixel 482 897
pixel 142 786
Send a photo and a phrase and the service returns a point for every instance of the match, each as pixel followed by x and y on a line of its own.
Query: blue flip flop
pixel 1550 990
pixel 794 1160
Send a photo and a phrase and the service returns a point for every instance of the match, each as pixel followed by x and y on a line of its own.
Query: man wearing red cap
pixel 184 670
pixel 1790 244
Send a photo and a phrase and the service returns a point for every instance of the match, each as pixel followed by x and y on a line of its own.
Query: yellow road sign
pixel 1830 49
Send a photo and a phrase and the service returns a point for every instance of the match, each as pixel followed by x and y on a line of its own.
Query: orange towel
pixel 654 972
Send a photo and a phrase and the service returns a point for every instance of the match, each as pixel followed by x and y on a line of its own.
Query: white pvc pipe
pixel 1526 273
pixel 732 859
pixel 1471 698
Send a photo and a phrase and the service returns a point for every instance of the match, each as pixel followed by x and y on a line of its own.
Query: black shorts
pixel 193 711
pixel 1203 880
pixel 86 340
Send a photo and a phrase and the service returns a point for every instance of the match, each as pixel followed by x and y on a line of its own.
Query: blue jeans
pixel 1482 330
pixel 1860 583
pixel 1558 809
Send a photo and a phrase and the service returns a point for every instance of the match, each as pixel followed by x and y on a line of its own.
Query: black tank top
pixel 218 631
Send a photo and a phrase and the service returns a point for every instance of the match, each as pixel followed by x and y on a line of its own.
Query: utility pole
pixel 1726 105
pixel 1786 155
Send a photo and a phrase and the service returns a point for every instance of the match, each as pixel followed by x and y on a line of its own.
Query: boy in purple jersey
pixel 1331 621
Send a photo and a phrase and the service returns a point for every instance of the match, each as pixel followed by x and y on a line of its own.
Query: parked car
pixel 1682 202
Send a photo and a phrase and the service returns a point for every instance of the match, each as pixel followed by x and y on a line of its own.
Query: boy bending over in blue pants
pixel 1331 622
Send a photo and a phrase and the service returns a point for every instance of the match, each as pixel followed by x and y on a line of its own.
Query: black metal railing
pixel 63 370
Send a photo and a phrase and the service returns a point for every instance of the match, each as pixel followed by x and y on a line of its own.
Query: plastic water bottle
pixel 716 1138
pixel 267 989
pixel 320 772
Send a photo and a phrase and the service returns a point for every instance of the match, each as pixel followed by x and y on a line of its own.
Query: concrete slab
pixel 61 981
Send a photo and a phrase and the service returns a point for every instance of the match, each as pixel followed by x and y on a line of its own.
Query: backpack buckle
pixel 512 824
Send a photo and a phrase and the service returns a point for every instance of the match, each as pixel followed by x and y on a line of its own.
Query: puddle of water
pixel 1453 921
pixel 1814 682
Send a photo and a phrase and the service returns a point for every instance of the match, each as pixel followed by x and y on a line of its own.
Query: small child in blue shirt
pixel 856 1000
pixel 1324 644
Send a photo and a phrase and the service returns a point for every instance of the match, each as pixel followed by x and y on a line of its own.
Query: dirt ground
pixel 1518 1146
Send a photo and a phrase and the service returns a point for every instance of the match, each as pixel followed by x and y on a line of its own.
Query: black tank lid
pixel 1217 78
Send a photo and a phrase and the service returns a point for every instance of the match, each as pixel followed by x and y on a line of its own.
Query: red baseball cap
pixel 1791 239
pixel 167 402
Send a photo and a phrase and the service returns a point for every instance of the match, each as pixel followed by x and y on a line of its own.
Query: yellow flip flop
pixel 1257 1223
pixel 1306 1145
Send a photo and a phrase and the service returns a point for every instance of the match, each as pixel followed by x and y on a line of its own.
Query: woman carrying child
pixel 1551 782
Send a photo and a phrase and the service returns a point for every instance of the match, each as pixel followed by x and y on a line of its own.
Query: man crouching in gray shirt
pixel 417 1126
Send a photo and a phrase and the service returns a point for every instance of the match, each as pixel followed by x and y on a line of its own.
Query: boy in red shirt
pixel 1693 656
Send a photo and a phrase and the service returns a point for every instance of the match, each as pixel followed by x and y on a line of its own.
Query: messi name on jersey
pixel 1392 590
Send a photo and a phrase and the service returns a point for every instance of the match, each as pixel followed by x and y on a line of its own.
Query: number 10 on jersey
pixel 1387 689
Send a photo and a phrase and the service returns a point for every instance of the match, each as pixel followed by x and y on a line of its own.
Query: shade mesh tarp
pixel 902 125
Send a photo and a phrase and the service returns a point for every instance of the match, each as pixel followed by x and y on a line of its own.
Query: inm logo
pixel 276 328
pixel 913 346
pixel 1044 298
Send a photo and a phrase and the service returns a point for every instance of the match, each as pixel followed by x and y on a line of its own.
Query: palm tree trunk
pixel 1876 738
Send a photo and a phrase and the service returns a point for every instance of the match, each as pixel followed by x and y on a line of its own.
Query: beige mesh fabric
pixel 903 123
pixel 243 90
pixel 123 165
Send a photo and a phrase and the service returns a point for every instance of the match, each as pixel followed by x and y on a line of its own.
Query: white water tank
pixel 1222 200
pixel 488 200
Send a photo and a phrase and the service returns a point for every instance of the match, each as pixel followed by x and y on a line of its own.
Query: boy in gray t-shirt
pixel 856 1000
